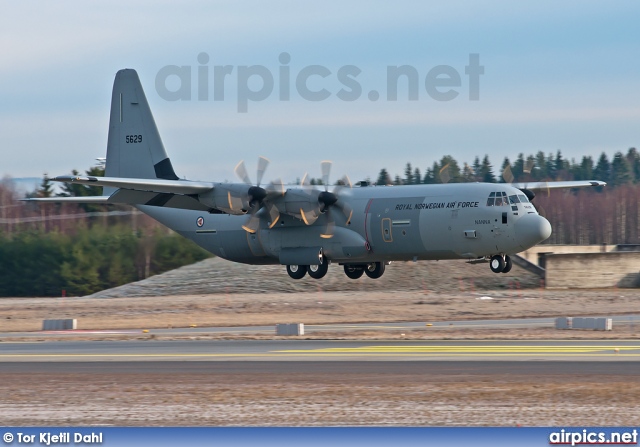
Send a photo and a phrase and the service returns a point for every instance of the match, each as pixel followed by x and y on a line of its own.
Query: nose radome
pixel 531 230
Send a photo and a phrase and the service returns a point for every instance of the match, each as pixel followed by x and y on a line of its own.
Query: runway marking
pixel 436 325
pixel 389 351
pixel 309 355
pixel 463 349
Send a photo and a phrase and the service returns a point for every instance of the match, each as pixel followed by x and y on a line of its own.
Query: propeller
pixel 257 196
pixel 326 201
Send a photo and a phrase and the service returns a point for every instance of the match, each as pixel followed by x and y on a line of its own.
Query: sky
pixel 555 76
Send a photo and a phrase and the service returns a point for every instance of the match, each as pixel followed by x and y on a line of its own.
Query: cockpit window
pixel 514 199
pixel 523 198
pixel 498 199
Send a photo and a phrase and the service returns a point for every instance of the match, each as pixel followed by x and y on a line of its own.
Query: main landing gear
pixel 500 264
pixel 315 271
pixel 373 270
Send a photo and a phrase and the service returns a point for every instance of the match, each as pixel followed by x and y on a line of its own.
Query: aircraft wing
pixel 535 186
pixel 88 199
pixel 138 184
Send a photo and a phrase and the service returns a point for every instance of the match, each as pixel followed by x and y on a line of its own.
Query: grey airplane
pixel 305 228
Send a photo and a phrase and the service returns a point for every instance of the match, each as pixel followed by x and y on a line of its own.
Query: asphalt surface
pixel 319 350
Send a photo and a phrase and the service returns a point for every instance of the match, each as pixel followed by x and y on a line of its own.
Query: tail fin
pixel 134 148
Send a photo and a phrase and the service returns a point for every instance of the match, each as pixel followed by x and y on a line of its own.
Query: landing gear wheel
pixel 353 272
pixel 497 264
pixel 507 264
pixel 297 271
pixel 318 271
pixel 374 270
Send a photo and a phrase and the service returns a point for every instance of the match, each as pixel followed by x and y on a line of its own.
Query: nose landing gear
pixel 500 264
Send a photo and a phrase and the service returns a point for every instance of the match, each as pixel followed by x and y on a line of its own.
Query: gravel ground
pixel 220 293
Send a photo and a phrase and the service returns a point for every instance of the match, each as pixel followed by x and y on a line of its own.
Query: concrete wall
pixel 531 255
pixel 595 270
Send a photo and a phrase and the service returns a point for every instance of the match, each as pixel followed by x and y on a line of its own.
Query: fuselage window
pixel 491 199
pixel 499 200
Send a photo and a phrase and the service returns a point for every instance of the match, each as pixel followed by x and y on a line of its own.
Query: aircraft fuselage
pixel 401 223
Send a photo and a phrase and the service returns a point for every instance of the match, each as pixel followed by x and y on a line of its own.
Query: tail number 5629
pixel 133 139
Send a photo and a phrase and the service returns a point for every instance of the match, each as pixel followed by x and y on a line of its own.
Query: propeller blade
pixel 241 172
pixel 329 228
pixel 507 175
pixel 528 166
pixel 326 170
pixel 445 176
pixel 309 217
pixel 346 210
pixel 275 189
pixel 253 223
pixel 345 181
pixel 262 166
pixel 274 215
pixel 305 180
pixel 235 203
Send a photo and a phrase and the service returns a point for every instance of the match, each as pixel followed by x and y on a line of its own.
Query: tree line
pixel 621 169
pixel 47 248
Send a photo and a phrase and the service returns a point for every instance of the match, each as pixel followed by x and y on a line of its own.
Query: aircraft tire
pixel 318 271
pixel 497 264
pixel 297 271
pixel 507 264
pixel 374 270
pixel 353 272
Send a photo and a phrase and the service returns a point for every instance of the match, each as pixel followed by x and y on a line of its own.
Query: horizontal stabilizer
pixel 138 184
pixel 536 186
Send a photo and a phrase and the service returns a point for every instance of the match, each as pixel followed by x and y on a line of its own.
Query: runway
pixel 617 351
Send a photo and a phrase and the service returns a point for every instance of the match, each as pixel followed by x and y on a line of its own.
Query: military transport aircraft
pixel 307 228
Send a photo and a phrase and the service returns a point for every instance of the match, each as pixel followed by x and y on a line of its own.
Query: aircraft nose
pixel 531 230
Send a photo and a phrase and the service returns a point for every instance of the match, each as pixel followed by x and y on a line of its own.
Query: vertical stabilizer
pixel 134 148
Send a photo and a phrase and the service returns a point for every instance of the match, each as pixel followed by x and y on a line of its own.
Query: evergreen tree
pixel 620 170
pixel 408 174
pixel 602 171
pixel 468 176
pixel 560 167
pixel 584 171
pixel 417 177
pixel 541 165
pixel 453 170
pixel 550 167
pixel 518 168
pixel 46 187
pixel 633 157
pixel 505 163
pixel 486 171
pixel 476 169
pixel 383 178
pixel 429 176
